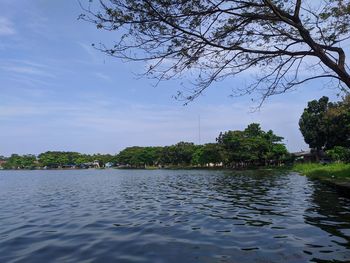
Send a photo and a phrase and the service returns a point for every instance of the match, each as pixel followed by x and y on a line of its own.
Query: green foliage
pixel 334 170
pixel 211 153
pixel 139 156
pixel 325 125
pixel 339 154
pixel 337 123
pixel 279 152
pixel 182 153
pixel 16 161
pixel 55 159
pixel 178 154
pixel 253 146
pixel 312 123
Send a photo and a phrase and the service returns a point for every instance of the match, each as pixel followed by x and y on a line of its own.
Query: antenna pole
pixel 199 129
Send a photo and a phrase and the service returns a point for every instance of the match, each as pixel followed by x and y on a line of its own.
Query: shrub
pixel 339 154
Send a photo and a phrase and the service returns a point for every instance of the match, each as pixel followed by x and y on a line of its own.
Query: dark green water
pixel 170 216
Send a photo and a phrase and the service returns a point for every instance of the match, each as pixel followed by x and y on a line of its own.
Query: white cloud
pixel 26 71
pixel 6 27
pixel 102 76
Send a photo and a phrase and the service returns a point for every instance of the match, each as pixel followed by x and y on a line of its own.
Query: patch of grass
pixel 325 171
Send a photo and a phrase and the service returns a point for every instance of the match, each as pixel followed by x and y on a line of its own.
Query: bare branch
pixel 216 39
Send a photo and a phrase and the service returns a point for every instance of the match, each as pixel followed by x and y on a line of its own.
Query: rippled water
pixel 170 216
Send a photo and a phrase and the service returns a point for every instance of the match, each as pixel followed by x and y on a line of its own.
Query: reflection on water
pixel 330 213
pixel 170 216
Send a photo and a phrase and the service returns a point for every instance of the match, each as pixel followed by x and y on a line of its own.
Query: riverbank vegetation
pixel 233 149
pixel 251 147
pixel 328 171
pixel 55 159
pixel 326 128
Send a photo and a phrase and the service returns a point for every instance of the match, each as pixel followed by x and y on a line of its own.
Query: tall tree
pixel 325 125
pixel 312 123
pixel 252 146
pixel 210 153
pixel 219 39
pixel 337 123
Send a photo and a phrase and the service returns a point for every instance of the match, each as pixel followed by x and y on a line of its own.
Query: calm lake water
pixel 170 216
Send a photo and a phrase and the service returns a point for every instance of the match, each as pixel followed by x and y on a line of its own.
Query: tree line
pixel 324 125
pixel 232 149
pixel 56 159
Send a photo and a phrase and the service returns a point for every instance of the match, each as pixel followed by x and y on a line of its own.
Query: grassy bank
pixel 328 171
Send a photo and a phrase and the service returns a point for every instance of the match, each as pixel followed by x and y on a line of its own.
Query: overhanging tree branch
pixel 217 39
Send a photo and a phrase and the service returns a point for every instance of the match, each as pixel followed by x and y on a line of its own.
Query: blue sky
pixel 58 93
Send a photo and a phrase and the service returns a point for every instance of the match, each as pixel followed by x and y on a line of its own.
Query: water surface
pixel 170 216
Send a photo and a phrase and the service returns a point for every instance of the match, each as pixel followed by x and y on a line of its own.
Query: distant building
pixel 2 162
pixel 109 165
pixel 68 166
pixel 94 164
pixel 304 156
pixel 310 156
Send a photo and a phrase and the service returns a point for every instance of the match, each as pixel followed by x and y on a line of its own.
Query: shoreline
pixel 336 175
pixel 286 167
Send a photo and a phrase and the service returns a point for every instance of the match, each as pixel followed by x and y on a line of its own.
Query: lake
pixel 170 216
